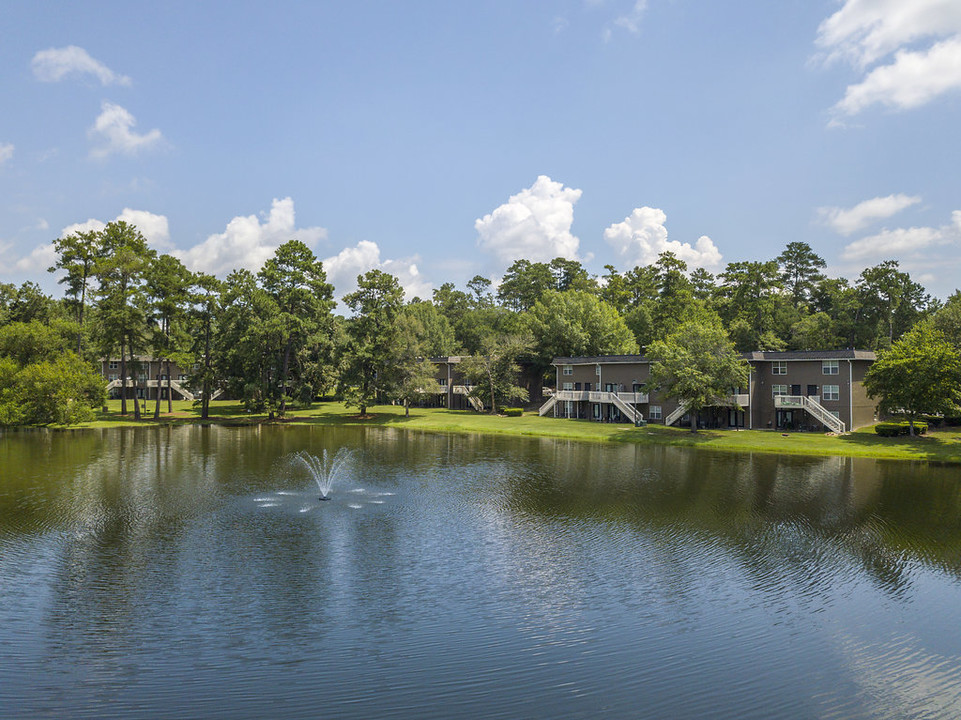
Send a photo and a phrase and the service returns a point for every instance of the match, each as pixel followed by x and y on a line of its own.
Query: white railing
pixel 548 406
pixel 632 414
pixel 622 401
pixel 174 385
pixel 813 407
pixel 676 414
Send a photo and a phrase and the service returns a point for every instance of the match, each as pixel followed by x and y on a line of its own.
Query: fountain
pixel 325 468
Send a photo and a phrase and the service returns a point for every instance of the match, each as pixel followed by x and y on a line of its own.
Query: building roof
pixel 754 355
pixel 810 355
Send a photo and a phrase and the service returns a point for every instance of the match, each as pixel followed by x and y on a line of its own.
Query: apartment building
pixel 151 377
pixel 809 390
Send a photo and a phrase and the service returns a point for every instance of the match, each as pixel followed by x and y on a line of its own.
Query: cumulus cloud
pixel 154 228
pixel 6 152
pixel 247 241
pixel 905 242
pixel 535 224
pixel 909 52
pixel 911 80
pixel 642 236
pixel 113 132
pixel 344 267
pixel 55 64
pixel 850 220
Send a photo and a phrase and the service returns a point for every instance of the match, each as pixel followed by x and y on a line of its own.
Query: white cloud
pixel 247 242
pixel 642 236
pixel 153 227
pixel 113 128
pixel 55 64
pixel 905 242
pixel 344 267
pixel 848 221
pixel 631 21
pixel 6 152
pixel 41 258
pixel 912 80
pixel 909 52
pixel 535 224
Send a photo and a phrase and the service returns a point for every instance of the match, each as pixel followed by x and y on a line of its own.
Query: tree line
pixel 273 339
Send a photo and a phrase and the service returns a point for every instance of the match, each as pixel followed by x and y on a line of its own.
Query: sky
pixel 444 139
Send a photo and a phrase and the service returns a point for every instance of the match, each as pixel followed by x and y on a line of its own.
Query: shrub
pixel 892 429
pixel 513 411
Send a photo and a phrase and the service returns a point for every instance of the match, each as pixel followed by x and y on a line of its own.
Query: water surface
pixel 193 572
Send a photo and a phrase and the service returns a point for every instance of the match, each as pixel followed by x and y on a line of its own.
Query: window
pixel 597 370
pixel 443 382
pixel 113 365
pixel 654 412
pixel 829 367
pixel 835 413
pixel 112 376
pixel 568 369
pixel 568 386
pixel 777 390
pixel 779 367
pixel 832 392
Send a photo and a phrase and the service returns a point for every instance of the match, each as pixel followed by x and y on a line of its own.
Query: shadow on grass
pixel 935 445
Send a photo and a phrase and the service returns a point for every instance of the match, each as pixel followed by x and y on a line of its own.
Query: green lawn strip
pixel 937 446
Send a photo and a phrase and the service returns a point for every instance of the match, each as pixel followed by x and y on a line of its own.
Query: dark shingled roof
pixel 754 355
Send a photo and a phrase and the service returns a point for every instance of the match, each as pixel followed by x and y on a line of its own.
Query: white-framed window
pixel 568 369
pixel 112 376
pixel 830 367
pixel 779 367
pixel 113 365
pixel 835 413
pixel 442 382
pixel 568 386
pixel 777 390
pixel 654 412
pixel 831 392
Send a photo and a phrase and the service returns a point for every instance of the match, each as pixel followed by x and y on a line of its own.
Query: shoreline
pixel 938 446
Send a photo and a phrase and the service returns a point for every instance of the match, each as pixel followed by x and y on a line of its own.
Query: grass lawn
pixel 937 446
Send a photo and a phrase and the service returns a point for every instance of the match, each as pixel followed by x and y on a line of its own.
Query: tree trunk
pixel 170 400
pixel 205 399
pixel 156 410
pixel 693 420
pixel 123 377
pixel 283 380
pixel 136 400
pixel 406 407
pixel 490 379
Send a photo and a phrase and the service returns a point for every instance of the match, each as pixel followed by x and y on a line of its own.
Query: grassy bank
pixel 938 446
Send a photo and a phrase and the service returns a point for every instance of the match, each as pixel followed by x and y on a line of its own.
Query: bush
pixel 890 429
pixel 513 411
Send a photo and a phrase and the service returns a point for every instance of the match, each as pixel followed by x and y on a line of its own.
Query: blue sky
pixel 439 140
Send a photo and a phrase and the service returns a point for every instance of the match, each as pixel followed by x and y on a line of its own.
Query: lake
pixel 193 572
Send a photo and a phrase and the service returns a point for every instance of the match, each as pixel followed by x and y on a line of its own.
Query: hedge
pixel 890 429
pixel 513 411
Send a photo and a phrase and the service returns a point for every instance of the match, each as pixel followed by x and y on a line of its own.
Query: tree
pixel 432 330
pixel 167 285
pixel 494 371
pixel 948 319
pixel 120 275
pixel 297 283
pixel 576 323
pixel 800 267
pixel 78 255
pixel 202 316
pixel 814 332
pixel 523 284
pixel 371 338
pixel 890 301
pixel 750 291
pixel 919 374
pixel 698 365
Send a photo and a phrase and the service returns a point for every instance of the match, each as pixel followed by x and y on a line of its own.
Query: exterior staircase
pixel 813 408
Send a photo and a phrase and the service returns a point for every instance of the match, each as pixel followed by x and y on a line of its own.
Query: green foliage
pixel 370 356
pixel 63 390
pixel 576 323
pixel 698 364
pixel 513 411
pixel 901 428
pixel 493 373
pixel 921 373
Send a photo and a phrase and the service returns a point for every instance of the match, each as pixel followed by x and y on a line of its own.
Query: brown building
pixel 810 390
pixel 151 376
pixel 455 388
